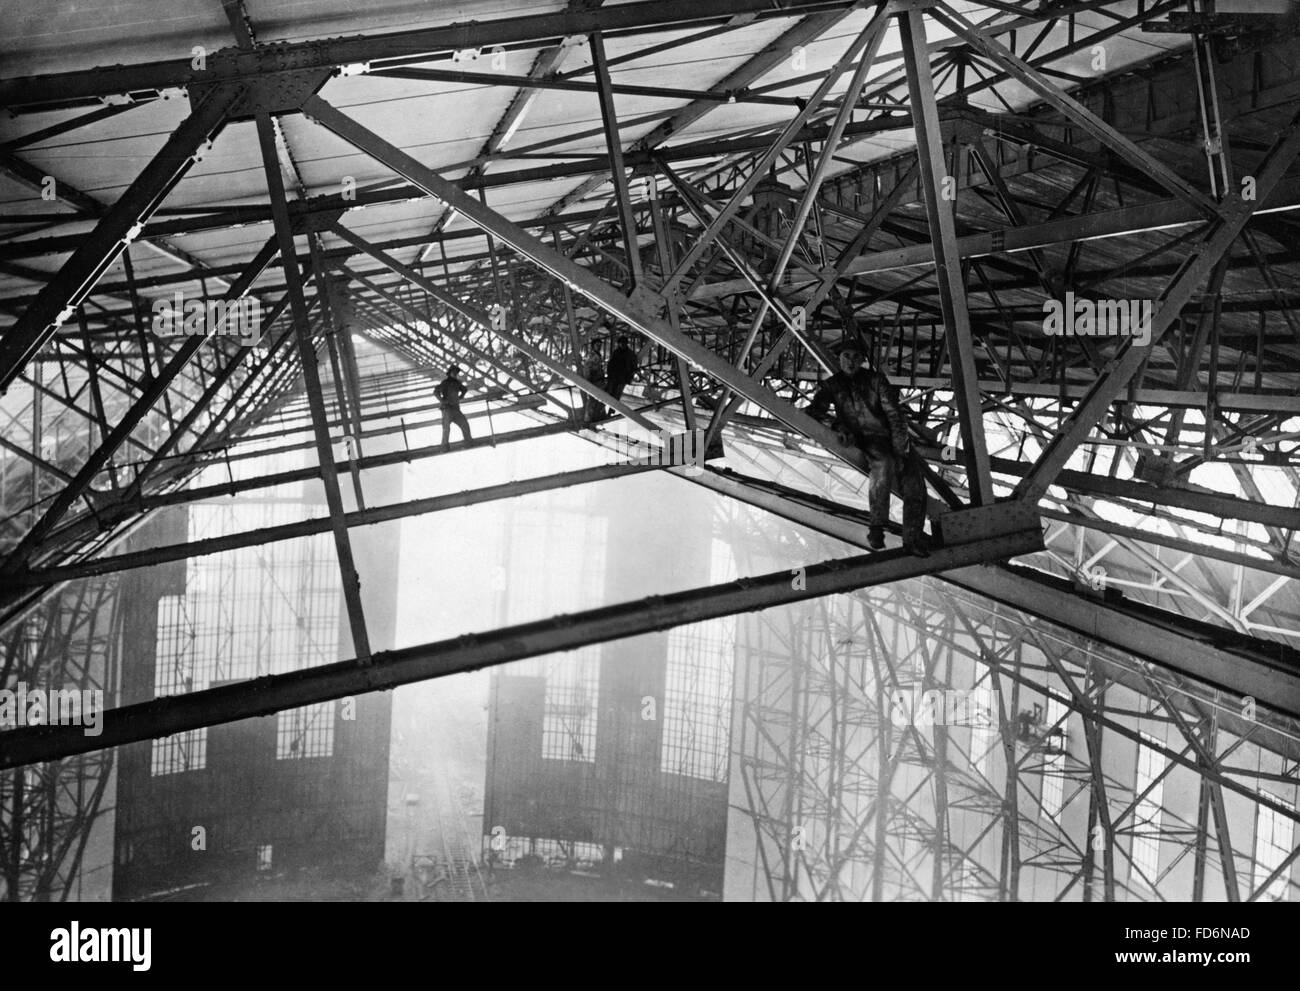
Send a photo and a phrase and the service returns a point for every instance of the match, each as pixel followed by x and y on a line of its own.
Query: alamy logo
pixel 55 707
pixel 77 945
pixel 1098 318
pixel 181 317
pixel 911 705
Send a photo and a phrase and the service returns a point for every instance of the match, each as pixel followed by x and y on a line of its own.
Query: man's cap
pixel 849 344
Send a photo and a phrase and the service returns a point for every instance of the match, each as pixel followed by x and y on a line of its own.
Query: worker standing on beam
pixel 622 367
pixel 869 415
pixel 449 392
pixel 595 373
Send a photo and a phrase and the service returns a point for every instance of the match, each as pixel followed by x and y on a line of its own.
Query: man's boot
pixel 916 543
pixel 876 538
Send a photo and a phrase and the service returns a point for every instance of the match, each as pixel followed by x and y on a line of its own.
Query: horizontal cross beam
pixel 396 47
pixel 638 310
pixel 389 669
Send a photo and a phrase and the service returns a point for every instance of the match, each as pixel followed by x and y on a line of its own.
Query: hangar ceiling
pixel 740 184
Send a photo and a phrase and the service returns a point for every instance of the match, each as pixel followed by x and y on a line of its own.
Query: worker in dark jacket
pixel 868 414
pixel 622 367
pixel 594 371
pixel 449 392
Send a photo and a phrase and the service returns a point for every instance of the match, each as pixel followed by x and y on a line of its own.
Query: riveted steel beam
pixel 940 212
pixel 119 225
pixel 392 48
pixel 1231 219
pixel 389 669
pixel 153 556
pixel 641 310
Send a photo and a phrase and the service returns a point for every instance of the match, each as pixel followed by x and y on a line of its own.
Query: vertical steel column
pixel 347 382
pixel 1009 861
pixel 575 340
pixel 311 376
pixel 933 679
pixel 1224 838
pixel 659 215
pixel 947 262
pixel 141 337
pixel 1100 804
pixel 614 143
pixel 884 776
pixel 1203 812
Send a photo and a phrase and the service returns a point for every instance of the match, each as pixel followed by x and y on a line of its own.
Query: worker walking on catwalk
pixel 449 392
pixel 868 414
pixel 622 367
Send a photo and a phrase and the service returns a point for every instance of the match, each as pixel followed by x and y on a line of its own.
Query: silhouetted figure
pixel 770 215
pixel 622 368
pixel 868 414
pixel 594 372
pixel 449 392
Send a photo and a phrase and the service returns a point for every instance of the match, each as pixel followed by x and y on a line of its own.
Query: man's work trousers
pixel 450 415
pixel 888 470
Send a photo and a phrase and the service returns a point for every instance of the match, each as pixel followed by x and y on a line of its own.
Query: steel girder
pixel 288 531
pixel 284 233
pixel 1152 579
pixel 393 48
pixel 47 811
pixel 485 320
pixel 798 771
pixel 114 231
pixel 637 310
pixel 1089 122
pixel 1231 219
pixel 154 387
pixel 388 669
pixel 107 513
pixel 1156 214
pixel 1244 668
pixel 445 338
pixel 196 220
pixel 1196 500
pixel 1064 854
pixel 943 238
pixel 845 807
pixel 235 487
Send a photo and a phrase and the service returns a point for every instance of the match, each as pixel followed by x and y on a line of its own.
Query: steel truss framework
pixel 67 644
pixel 855 793
pixel 737 259
pixel 848 805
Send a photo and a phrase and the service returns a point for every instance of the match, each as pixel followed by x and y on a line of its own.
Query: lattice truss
pixel 739 186
pixel 1047 767
pixel 68 644
pixel 254 612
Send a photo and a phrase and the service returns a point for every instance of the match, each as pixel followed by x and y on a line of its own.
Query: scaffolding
pixel 1109 777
